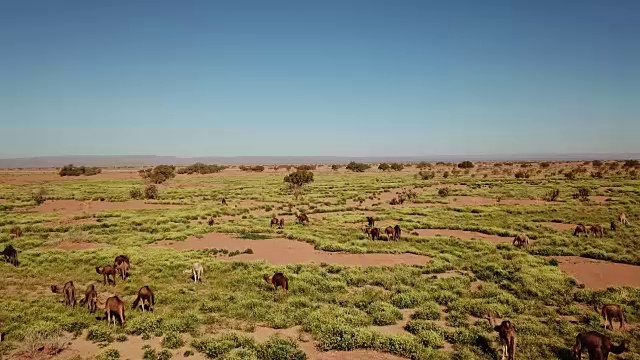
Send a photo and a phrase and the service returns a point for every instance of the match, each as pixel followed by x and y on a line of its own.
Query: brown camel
pixel 375 234
pixel 90 298
pixel 278 279
pixel 610 312
pixel 371 221
pixel 211 221
pixel 521 240
pixel 112 307
pixel 613 226
pixel 623 218
pixel 69 292
pixel 122 265
pixel 145 296
pixel 302 219
pixel 274 221
pixel 281 223
pixel 224 201
pixel 10 255
pixel 388 231
pixel 396 232
pixel 15 232
pixel 107 271
pixel 598 346
pixel 580 229
pixel 596 230
pixel 507 332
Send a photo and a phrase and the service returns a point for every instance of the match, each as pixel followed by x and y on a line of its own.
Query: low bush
pixel 135 193
pixel 357 167
pixel 465 165
pixel 158 174
pixel 427 175
pixel 256 168
pixel 151 192
pixel 552 195
pixel 443 192
pixel 200 168
pixel 70 170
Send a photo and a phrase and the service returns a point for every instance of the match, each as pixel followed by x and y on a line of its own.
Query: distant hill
pixel 149 160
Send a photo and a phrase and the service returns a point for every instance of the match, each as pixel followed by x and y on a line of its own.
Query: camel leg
pixel 504 352
pixel 610 323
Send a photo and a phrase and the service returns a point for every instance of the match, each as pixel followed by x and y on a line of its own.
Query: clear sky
pixel 330 77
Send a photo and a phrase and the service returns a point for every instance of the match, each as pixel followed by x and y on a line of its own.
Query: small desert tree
pixel 384 167
pixel 335 167
pixel 151 192
pixel 357 167
pixel 40 196
pixel 158 174
pixel 596 163
pixel 465 165
pixel 397 166
pixel 297 180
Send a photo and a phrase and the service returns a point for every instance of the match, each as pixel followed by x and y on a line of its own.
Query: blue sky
pixel 332 77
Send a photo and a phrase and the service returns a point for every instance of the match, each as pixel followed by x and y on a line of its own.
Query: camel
pixel 122 265
pixel 210 221
pixel 521 240
pixel 69 292
pixel 596 230
pixel 107 271
pixel 507 332
pixel 90 298
pixel 623 219
pixel 274 221
pixel 396 232
pixel 197 271
pixel 610 312
pixel 375 233
pixel 278 279
pixel 224 201
pixel 114 306
pixel 371 221
pixel 614 226
pixel 598 346
pixel 281 223
pixel 15 232
pixel 302 218
pixel 145 295
pixel 10 255
pixel 580 229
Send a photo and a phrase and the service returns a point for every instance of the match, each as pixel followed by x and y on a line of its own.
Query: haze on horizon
pixel 330 78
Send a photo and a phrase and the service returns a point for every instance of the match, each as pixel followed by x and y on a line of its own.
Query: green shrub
pixel 109 354
pixel 443 192
pixel 40 196
pixel 335 167
pixel 99 334
pixel 299 178
pixel 445 174
pixel 384 313
pixel 200 168
pixel 384 167
pixel 158 174
pixel 70 170
pixel 135 193
pixel 172 340
pixel 427 175
pixel 257 168
pixel 214 347
pixel 465 165
pixel 151 192
pixel 427 311
pixel 277 348
pixel 357 167
pixel 397 166
pixel 552 195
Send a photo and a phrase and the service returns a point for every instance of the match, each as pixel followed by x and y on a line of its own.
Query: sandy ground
pixel 465 235
pixel 598 274
pixel 284 252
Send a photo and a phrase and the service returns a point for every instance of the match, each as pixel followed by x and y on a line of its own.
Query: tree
pixel 384 167
pixel 299 178
pixel 151 192
pixel 628 164
pixel 70 170
pixel 596 163
pixel 397 166
pixel 465 165
pixel 40 196
pixel 357 167
pixel 427 175
pixel 422 165
pixel 158 174
pixel 200 168
pixel 335 167
pixel 306 167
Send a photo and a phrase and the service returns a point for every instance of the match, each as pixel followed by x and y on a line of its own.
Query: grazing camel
pixel 114 306
pixel 302 219
pixel 224 201
pixel 521 240
pixel 107 271
pixel 90 298
pixel 375 233
pixel 389 232
pixel 614 226
pixel 598 346
pixel 122 265
pixel 278 279
pixel 507 332
pixel 396 232
pixel 10 255
pixel 274 221
pixel 610 312
pixel 69 292
pixel 145 295
pixel 15 232
pixel 210 221
pixel 197 271
pixel 623 219
pixel 370 221
pixel 580 229
pixel 281 224
pixel 596 230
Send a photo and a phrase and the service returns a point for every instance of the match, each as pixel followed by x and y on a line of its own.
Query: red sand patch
pixel 67 245
pixel 598 274
pixel 463 234
pixel 284 252
pixel 560 226
pixel 75 206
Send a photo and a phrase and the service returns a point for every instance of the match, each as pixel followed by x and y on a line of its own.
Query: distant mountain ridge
pixel 149 160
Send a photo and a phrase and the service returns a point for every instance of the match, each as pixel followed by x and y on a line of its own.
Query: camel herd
pixel 598 230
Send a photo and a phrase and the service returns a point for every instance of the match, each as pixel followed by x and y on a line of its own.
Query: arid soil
pixel 284 252
pixel 463 234
pixel 598 274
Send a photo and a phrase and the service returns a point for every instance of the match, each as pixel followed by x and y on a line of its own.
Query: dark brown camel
pixel 15 232
pixel 224 201
pixel 90 298
pixel 281 223
pixel 580 229
pixel 211 221
pixel 370 221
pixel 278 279
pixel 521 240
pixel 112 307
pixel 396 232
pixel 389 232
pixel 274 221
pixel 598 346
pixel 302 219
pixel 145 296
pixel 610 312
pixel 10 255
pixel 122 265
pixel 507 332
pixel 69 292
pixel 375 234
pixel 613 226
pixel 107 271
pixel 596 230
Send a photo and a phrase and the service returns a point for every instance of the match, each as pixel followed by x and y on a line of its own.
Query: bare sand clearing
pixel 463 234
pixel 75 206
pixel 559 226
pixel 69 245
pixel 599 274
pixel 284 252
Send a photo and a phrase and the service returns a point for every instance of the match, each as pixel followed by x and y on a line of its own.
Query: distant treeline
pixel 200 168
pixel 70 170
